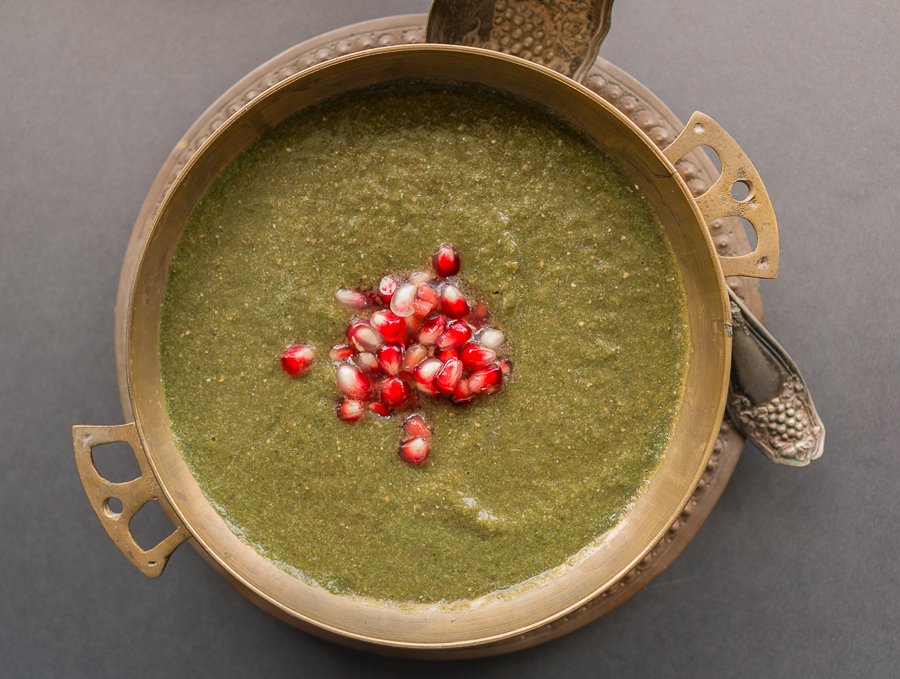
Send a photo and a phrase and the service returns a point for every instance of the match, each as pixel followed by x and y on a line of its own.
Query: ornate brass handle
pixel 718 201
pixel 564 35
pixel 133 495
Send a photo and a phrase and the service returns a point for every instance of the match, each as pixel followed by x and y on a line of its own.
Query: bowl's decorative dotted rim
pixel 630 97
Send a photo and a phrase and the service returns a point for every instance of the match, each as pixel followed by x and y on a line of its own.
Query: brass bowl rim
pixel 539 71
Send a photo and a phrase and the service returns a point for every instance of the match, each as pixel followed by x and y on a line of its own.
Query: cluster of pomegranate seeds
pixel 416 337
pixel 421 336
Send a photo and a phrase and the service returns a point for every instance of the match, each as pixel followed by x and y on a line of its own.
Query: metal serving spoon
pixel 768 399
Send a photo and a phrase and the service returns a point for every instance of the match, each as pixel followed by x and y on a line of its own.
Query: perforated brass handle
pixel 133 494
pixel 719 201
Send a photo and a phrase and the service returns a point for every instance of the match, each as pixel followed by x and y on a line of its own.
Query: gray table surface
pixel 795 574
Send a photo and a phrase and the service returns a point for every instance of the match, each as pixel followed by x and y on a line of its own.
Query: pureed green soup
pixel 575 268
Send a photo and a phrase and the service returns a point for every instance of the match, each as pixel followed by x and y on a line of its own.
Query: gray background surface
pixel 795 574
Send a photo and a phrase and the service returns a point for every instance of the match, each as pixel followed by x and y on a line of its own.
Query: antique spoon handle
pixel 564 35
pixel 768 399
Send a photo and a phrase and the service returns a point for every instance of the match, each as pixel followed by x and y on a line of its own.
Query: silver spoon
pixel 564 35
pixel 768 400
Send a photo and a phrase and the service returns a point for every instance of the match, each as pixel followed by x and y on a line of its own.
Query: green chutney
pixel 575 268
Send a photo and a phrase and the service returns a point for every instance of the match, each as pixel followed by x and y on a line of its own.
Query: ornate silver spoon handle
pixel 768 399
pixel 564 35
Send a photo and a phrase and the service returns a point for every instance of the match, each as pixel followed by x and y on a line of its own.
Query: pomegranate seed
pixel 350 411
pixel 445 261
pixel 427 300
pixel 449 376
pixel 453 302
pixel 386 288
pixel 415 425
pixel 425 373
pixel 413 326
pixel 432 329
pixel 379 409
pixel 475 357
pixel 462 393
pixel 420 278
pixel 367 361
pixel 394 392
pixel 421 308
pixel 352 383
pixel 505 367
pixel 389 357
pixel 429 293
pixel 491 338
pixel 480 313
pixel 389 325
pixel 363 336
pixel 414 355
pixel 340 352
pixel 414 451
pixel 446 354
pixel 456 334
pixel 352 299
pixel 297 359
pixel 403 300
pixel 487 380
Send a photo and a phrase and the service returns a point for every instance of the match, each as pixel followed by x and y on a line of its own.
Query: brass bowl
pixel 494 623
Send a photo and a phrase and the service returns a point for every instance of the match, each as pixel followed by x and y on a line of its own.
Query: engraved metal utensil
pixel 768 399
pixel 564 35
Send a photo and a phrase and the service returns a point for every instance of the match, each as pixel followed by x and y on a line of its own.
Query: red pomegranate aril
pixel 487 380
pixel 456 334
pixel 431 330
pixel 428 299
pixel 352 299
pixel 403 300
pixel 350 411
pixel 363 336
pixel 389 325
pixel 462 393
pixel 420 278
pixel 367 361
pixel 414 426
pixel 413 325
pixel 491 338
pixel 421 308
pixel 505 366
pixel 379 409
pixel 425 373
pixel 428 293
pixel 386 288
pixel 389 357
pixel 352 383
pixel 446 354
pixel 297 359
pixel 394 392
pixel 453 302
pixel 414 451
pixel 475 357
pixel 340 352
pixel 414 355
pixel 449 376
pixel 480 313
pixel 445 260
